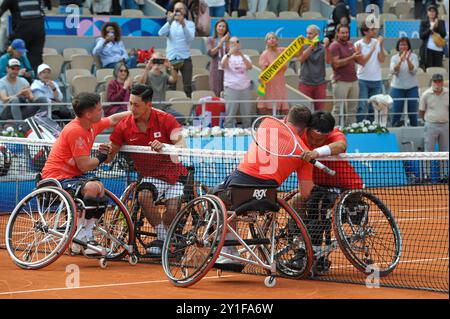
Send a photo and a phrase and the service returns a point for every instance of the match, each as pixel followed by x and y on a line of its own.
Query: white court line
pixel 401 262
pixel 102 286
pixel 429 209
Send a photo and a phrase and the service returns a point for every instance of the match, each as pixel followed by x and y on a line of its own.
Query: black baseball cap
pixel 437 77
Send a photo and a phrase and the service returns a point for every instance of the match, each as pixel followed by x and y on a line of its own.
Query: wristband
pixel 101 157
pixel 323 151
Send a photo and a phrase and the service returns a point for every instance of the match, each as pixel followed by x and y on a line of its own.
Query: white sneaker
pixel 232 250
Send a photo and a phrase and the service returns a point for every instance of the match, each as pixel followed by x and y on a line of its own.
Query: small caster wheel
pixel 219 273
pixel 103 263
pixel 133 260
pixel 270 281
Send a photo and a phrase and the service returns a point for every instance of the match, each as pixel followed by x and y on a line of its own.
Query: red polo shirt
pixel 160 127
pixel 346 176
pixel 346 73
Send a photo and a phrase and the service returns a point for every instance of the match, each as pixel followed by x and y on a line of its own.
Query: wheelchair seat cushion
pixel 261 206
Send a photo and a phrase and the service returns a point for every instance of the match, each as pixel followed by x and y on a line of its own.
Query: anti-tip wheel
pixel 133 260
pixel 103 263
pixel 270 281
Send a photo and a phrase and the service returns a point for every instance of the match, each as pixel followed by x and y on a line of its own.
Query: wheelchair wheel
pixel 114 229
pixel 294 252
pixel 41 227
pixel 194 240
pixel 367 232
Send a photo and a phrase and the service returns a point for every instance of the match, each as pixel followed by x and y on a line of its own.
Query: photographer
pixel 158 74
pixel 180 33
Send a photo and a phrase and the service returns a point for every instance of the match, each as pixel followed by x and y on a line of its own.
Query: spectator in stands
pixel 404 83
pixel 43 86
pixel 118 90
pixel 16 90
pixel 312 73
pixel 217 48
pixel 276 88
pixel 369 70
pixel 299 6
pixel 237 84
pixel 379 3
pixel 31 29
pixel 110 49
pixel 17 51
pixel 180 33
pixel 102 7
pixel 343 60
pixel 340 15
pixel 64 4
pixel 432 32
pixel 231 5
pixel 216 8
pixel 276 6
pixel 158 74
pixel 352 6
pixel 130 4
pixel 260 5
pixel 433 110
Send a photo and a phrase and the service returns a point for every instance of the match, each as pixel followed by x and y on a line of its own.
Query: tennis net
pixel 412 186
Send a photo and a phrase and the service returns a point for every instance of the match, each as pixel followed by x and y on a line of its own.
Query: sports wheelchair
pixel 144 234
pixel 363 226
pixel 45 222
pixel 267 231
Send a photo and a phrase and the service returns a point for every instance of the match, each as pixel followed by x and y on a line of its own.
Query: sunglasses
pixel 123 70
pixel 14 67
pixel 237 41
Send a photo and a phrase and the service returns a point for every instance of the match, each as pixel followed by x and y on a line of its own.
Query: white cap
pixel 43 67
pixel 13 62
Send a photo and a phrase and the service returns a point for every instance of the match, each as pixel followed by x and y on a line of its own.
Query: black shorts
pixel 74 185
pixel 241 178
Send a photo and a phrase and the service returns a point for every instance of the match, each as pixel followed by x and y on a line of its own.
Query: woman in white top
pixel 404 83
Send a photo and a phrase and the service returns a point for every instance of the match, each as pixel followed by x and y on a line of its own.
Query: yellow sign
pixel 281 60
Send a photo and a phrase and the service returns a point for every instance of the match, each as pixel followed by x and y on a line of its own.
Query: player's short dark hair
pixel 322 121
pixel 84 101
pixel 144 91
pixel 299 115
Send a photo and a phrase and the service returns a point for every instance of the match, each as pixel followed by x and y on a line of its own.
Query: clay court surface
pixel 121 280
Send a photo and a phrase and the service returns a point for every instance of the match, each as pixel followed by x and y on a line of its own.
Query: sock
pixel 161 231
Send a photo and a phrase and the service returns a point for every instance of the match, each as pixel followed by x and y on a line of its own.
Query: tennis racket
pixel 275 137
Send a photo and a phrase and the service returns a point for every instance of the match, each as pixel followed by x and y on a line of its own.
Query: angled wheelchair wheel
pixel 367 232
pixel 114 229
pixel 294 252
pixel 194 240
pixel 41 227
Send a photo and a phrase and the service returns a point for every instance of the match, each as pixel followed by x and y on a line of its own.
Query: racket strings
pixel 274 137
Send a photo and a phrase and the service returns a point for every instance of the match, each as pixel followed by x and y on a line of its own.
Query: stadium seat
pixel 71 73
pixel 55 61
pixel 387 16
pixel 250 51
pixel 182 105
pixel 423 79
pixel 83 83
pixel 196 52
pixel 288 15
pixel 406 17
pixel 100 74
pixel 420 71
pixel 49 51
pixel 171 94
pixel 68 52
pixel 290 71
pixel 135 71
pixel 265 15
pixel 82 61
pixel 292 80
pixel 103 97
pixel 196 71
pixel 200 61
pixel 433 70
pixel 254 59
pixel 137 79
pixel 132 13
pixel 200 82
pixel 197 95
pixel 404 8
pixel 311 15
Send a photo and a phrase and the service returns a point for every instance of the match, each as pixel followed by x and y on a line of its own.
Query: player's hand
pixel 326 42
pixel 309 155
pixel 380 40
pixel 156 145
pixel 105 148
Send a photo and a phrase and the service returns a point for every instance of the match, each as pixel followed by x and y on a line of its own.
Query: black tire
pixel 292 238
pixel 115 221
pixel 47 217
pixel 367 232
pixel 190 250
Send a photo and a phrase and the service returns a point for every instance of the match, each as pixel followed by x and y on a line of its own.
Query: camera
pixel 158 61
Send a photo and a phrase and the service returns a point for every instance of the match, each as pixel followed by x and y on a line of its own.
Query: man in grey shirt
pixel 16 94
pixel 312 73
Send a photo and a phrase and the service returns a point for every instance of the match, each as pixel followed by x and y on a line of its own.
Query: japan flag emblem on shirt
pixel 157 134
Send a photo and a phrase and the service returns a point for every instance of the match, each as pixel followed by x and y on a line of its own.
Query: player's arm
pixel 114 149
pixel 116 118
pixel 87 163
pixel 298 201
pixel 331 149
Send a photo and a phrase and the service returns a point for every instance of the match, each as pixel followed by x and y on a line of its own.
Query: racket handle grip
pixel 319 165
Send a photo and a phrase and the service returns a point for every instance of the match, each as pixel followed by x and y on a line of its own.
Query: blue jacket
pixel 24 63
